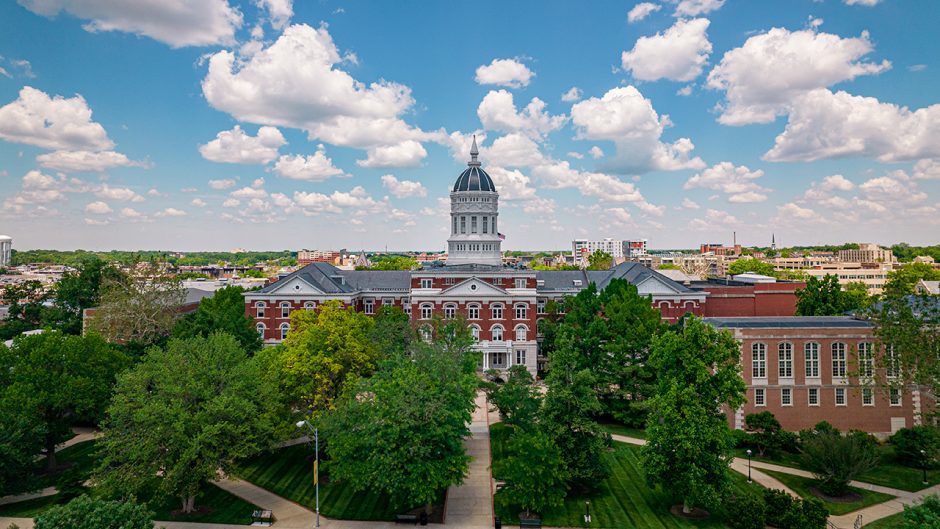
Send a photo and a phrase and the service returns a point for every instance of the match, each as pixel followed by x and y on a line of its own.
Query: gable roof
pixel 331 280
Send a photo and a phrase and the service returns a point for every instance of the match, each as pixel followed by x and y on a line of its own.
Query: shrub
pixel 836 459
pixel 815 514
pixel 785 512
pixel 767 430
pixel 925 515
pixel 778 503
pixel 746 511
pixel 908 442
pixel 741 439
pixel 86 513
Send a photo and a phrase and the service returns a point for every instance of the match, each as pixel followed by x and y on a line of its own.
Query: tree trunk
pixel 50 453
pixel 429 508
pixel 685 507
pixel 189 503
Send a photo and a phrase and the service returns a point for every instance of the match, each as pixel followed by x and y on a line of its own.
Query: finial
pixel 474 152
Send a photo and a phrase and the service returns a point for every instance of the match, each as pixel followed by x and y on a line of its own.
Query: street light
pixel 923 459
pixel 587 512
pixel 316 463
pixel 748 465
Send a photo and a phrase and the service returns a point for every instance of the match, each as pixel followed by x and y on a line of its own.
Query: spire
pixel 474 152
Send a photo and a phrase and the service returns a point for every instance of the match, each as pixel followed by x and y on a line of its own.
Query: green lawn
pixel 80 455
pixel 888 473
pixel 890 522
pixel 622 501
pixel 287 473
pixel 225 508
pixel 801 486
pixel 29 508
pixel 620 429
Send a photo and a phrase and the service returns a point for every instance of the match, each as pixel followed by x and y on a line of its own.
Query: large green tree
pixel 902 280
pixel 22 437
pixel 533 471
pixel 401 430
pixel 80 290
pixel 825 297
pixel 325 352
pixel 689 445
pixel 392 332
pixel 57 380
pixel 181 415
pixel 223 312
pixel 26 310
pixel 85 512
pixel 755 266
pixel 600 260
pixel 138 310
pixel 517 399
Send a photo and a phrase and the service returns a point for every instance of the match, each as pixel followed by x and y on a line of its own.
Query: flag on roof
pixel 501 237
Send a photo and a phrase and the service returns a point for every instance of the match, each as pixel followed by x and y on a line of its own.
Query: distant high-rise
pixel 6 250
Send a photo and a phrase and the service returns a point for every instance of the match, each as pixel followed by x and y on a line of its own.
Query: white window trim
pixel 790 390
pixel 818 397
pixel 871 393
pixel 900 401
pixel 845 397
pixel 763 393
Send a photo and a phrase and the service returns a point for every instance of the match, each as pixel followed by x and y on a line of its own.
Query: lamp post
pixel 316 463
pixel 587 512
pixel 923 459
pixel 748 465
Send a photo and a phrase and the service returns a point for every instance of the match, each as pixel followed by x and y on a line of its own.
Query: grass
pixel 287 473
pixel 623 500
pixel 225 508
pixel 801 486
pixel 82 459
pixel 888 522
pixel 620 429
pixel 29 508
pixel 888 473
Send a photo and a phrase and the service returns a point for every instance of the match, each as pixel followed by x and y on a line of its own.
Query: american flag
pixel 501 236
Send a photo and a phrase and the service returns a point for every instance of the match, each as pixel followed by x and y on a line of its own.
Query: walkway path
pixel 470 505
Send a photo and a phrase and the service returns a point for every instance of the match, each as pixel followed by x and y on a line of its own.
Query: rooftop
pixel 788 322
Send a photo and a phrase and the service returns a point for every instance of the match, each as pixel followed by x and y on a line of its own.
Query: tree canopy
pixel 826 297
pixel 185 412
pixel 223 312
pixel 600 260
pixel 689 446
pixel 755 266
pixel 902 280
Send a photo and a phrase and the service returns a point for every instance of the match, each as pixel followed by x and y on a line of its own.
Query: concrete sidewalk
pixel 470 505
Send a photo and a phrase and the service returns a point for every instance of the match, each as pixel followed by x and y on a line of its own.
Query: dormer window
pixel 426 282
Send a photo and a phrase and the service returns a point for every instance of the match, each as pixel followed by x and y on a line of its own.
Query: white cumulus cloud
pixel 98 208
pixel 736 181
pixel 315 167
pixel 497 111
pixel 34 118
pixel 679 54
pixel 694 8
pixel 235 146
pixel 641 11
pixel 403 188
pixel 224 183
pixel 86 161
pixel 504 72
pixel 408 153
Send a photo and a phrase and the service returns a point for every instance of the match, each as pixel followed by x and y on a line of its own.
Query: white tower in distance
pixel 6 250
pixel 474 209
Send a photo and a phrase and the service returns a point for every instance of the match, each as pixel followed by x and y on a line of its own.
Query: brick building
pixel 809 369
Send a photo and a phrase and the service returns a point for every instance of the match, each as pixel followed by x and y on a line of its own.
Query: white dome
pixel 5 238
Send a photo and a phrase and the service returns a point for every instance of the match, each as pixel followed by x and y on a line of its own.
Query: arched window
pixel 521 310
pixel 309 305
pixel 426 311
pixel 259 307
pixel 497 311
pixel 260 329
pixel 473 312
pixel 285 327
pixel 475 332
pixel 496 332
pixel 285 309
pixel 521 333
pixel 450 311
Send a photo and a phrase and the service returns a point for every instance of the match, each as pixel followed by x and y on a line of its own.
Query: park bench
pixel 262 518
pixel 407 518
pixel 530 522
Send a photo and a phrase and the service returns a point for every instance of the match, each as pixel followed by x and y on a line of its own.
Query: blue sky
pixel 271 124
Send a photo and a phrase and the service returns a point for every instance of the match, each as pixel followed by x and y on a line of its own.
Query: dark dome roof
pixel 474 178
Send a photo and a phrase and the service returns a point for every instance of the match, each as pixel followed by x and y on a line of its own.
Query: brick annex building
pixel 503 306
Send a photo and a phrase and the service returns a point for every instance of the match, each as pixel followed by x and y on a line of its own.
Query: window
pixel 520 357
pixel 285 309
pixel 540 306
pixel 285 327
pixel 521 333
pixel 758 361
pixel 426 312
pixel 813 396
pixel 455 225
pixel 407 308
pixel 497 311
pixel 473 312
pixel 521 311
pixel 450 280
pixel 892 366
pixel 260 329
pixel 486 224
pixel 520 282
pixel 260 309
pixel 759 397
pixel 497 333
pixel 786 396
pixel 811 352
pixel 866 360
pixel 426 282
pixel 838 360
pixel 473 224
pixel 309 305
pixel 463 224
pixel 368 306
pixel 840 396
pixel 475 332
pixel 868 397
pixel 450 311
pixel 785 360
pixel 425 332
pixel 894 396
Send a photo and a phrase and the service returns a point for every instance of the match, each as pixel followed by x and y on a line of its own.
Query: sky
pixel 271 124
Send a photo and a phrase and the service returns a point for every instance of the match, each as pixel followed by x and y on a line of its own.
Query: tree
pixel 58 380
pixel 600 260
pixel 534 472
pixel 87 513
pixel 837 459
pixel 689 445
pixel 746 511
pixel 325 352
pixel 401 431
pixel 392 332
pixel 392 262
pixel 569 405
pixel 27 308
pixel 184 413
pixel 821 297
pixel 517 399
pixel 21 437
pixel 924 515
pixel 908 443
pixel 138 310
pixel 767 429
pixel 223 312
pixel 754 266
pixel 80 290
pixel 901 280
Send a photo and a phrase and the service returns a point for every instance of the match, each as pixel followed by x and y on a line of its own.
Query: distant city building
pixel 305 257
pixel 867 253
pixel 873 275
pixel 720 249
pixel 931 288
pixel 617 248
pixel 6 250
